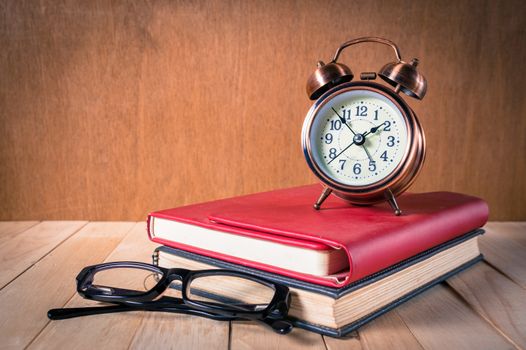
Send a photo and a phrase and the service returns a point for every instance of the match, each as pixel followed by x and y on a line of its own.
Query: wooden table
pixel 481 308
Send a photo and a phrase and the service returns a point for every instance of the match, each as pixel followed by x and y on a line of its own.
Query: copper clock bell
pixel 334 78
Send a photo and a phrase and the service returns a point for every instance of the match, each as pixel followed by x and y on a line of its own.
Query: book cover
pixel 370 238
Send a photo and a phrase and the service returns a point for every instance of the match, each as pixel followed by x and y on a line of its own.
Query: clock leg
pixel 392 202
pixel 326 192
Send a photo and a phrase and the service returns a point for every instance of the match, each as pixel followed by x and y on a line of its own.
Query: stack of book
pixel 345 265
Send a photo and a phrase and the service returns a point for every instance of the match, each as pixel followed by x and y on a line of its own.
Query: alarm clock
pixel 360 138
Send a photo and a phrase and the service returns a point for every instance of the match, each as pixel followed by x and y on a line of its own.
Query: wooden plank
pixel 138 329
pixel 26 248
pixel 10 228
pixel 386 332
pixel 353 342
pixel 504 248
pixel 513 230
pixel 440 320
pixel 496 298
pixel 51 282
pixel 251 335
pixel 173 331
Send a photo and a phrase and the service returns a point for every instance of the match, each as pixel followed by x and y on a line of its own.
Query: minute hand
pixel 343 121
pixel 343 150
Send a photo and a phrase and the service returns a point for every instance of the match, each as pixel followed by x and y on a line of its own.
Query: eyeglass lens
pixel 137 280
pixel 230 292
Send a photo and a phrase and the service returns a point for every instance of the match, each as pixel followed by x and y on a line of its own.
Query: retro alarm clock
pixel 360 138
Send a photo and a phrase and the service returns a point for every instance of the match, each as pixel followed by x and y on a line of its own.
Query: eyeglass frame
pixel 274 314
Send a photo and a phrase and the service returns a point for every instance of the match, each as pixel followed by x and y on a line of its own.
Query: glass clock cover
pixel 358 137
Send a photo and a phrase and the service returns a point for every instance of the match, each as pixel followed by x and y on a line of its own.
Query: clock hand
pixel 354 141
pixel 374 129
pixel 343 121
pixel 336 156
pixel 368 154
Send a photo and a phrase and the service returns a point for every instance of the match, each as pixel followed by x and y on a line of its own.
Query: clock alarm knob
pixel 327 76
pixel 404 77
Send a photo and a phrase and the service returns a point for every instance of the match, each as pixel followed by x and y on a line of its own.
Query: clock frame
pixel 331 80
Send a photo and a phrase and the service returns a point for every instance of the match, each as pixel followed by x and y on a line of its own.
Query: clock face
pixel 358 137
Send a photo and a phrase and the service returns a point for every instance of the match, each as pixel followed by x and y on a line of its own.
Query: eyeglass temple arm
pixel 65 313
pixel 278 326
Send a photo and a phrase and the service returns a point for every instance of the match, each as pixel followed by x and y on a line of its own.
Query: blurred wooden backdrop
pixel 111 109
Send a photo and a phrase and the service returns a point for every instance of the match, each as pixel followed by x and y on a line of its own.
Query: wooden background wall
pixel 111 109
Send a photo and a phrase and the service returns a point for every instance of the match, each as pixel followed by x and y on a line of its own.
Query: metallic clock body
pixel 399 179
pixel 331 81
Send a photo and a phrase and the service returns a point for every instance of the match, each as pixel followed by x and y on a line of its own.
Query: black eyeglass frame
pixel 276 310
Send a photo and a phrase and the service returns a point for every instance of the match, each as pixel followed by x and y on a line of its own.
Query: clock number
pixel 342 163
pixel 361 111
pixel 336 124
pixel 332 153
pixel 387 125
pixel 357 168
pixel 347 114
pixel 328 138
pixel 390 141
pixel 384 156
pixel 372 165
pixel 376 115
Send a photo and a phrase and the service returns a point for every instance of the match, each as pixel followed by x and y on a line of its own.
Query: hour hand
pixel 375 128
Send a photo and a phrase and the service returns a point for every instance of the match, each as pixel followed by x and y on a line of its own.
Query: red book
pixel 280 232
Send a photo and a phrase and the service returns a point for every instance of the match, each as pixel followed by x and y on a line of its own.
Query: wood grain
pixel 503 247
pixel 496 298
pixel 172 331
pixel 439 320
pixel 479 309
pixel 51 282
pixel 386 332
pixel 9 229
pixel 350 343
pixel 247 335
pixel 109 110
pixel 25 249
pixel 514 231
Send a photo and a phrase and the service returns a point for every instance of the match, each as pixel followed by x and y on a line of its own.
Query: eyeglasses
pixel 223 295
